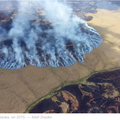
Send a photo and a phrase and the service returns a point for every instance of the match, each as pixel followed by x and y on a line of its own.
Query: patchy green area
pixel 64 84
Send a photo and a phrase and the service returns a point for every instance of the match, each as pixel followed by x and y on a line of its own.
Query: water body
pixel 107 5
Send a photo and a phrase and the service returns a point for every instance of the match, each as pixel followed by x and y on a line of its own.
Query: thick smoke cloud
pixel 27 42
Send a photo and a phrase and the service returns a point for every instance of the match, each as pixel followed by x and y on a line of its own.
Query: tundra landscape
pixel 22 89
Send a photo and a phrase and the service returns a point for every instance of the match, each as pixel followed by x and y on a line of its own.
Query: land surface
pixel 20 88
pixel 101 94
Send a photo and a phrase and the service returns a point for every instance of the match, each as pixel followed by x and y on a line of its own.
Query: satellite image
pixel 60 56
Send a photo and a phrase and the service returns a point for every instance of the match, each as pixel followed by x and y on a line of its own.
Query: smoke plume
pixel 45 33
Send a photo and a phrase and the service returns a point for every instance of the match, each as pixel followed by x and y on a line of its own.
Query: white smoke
pixel 2 33
pixel 66 27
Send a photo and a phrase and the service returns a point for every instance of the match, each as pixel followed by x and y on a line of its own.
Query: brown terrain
pixel 20 88
pixel 101 94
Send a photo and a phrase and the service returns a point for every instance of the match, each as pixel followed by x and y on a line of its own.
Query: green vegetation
pixel 51 94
